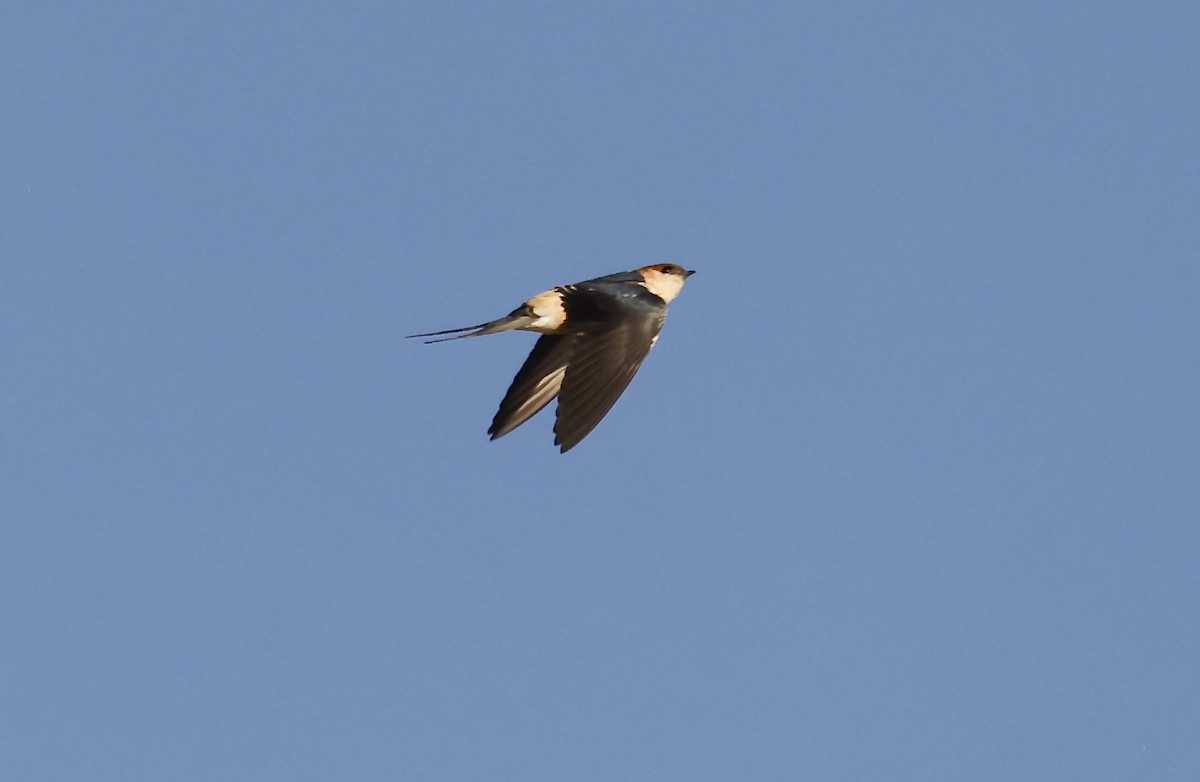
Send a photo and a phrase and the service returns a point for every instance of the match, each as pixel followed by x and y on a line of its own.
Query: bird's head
pixel 665 280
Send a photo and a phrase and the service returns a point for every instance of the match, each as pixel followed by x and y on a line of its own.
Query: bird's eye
pixel 668 269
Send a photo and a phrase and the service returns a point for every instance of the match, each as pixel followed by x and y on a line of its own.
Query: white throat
pixel 664 286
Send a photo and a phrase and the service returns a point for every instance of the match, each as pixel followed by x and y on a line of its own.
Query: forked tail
pixel 518 319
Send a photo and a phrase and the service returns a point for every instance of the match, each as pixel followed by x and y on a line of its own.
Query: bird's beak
pixel 689 274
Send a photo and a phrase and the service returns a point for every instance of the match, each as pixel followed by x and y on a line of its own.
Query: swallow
pixel 595 335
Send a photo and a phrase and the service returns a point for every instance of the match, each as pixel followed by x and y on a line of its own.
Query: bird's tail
pixel 517 319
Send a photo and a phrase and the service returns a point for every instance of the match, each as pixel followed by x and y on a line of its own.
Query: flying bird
pixel 595 335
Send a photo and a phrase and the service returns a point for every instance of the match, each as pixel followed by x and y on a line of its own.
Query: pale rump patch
pixel 664 286
pixel 548 309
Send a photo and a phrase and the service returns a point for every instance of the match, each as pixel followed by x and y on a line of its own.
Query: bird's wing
pixel 601 365
pixel 537 382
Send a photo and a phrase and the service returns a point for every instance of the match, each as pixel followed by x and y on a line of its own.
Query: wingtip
pixel 565 445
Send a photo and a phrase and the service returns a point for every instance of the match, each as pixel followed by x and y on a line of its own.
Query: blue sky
pixel 907 490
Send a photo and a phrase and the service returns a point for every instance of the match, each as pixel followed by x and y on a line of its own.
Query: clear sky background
pixel 908 490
